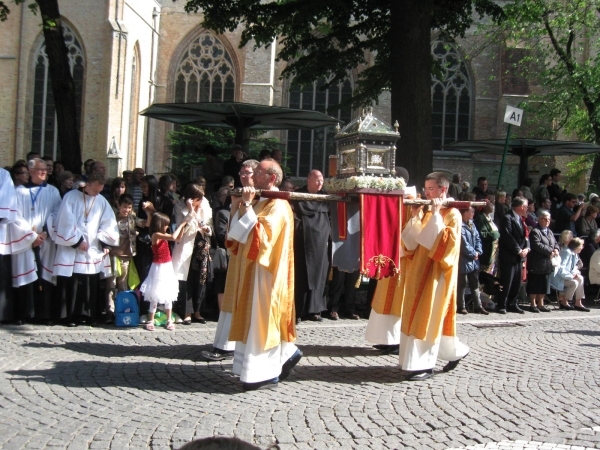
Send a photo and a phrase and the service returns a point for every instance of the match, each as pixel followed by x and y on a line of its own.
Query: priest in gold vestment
pixel 431 243
pixel 263 320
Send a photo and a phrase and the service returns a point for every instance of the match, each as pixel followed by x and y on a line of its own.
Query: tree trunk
pixel 63 88
pixel 411 89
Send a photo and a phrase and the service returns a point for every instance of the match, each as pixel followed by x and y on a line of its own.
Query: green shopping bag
pixel 133 279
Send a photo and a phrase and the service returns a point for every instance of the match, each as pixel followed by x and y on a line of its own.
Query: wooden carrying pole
pixel 303 196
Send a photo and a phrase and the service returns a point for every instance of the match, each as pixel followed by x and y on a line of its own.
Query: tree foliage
pixel 187 142
pixel 326 39
pixel 389 39
pixel 561 43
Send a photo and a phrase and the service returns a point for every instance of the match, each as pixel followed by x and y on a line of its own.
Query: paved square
pixel 535 385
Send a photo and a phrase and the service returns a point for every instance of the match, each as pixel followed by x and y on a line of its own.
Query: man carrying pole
pixel 431 240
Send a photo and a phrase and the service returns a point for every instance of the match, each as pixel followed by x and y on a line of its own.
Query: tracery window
pixel 451 96
pixel 44 132
pixel 205 72
pixel 310 149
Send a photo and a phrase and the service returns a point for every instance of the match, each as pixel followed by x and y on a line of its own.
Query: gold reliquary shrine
pixel 366 146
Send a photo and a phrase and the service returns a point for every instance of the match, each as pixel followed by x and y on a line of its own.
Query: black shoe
pixel 482 311
pixel 452 364
pixel 353 316
pixel 501 311
pixel 462 311
pixel 94 324
pixel 201 320
pixel 380 346
pixel 315 318
pixel 71 324
pixel 287 367
pixel 515 309
pixel 581 308
pixel 217 355
pixel 418 375
pixel 543 309
pixel 567 307
pixel 534 309
pixel 110 318
pixel 267 384
pixel 19 322
pixel 391 350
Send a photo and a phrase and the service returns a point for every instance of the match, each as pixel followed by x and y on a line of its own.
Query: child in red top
pixel 161 285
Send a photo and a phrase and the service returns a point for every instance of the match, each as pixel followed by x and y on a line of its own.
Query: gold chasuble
pixel 428 326
pixel 429 308
pixel 269 248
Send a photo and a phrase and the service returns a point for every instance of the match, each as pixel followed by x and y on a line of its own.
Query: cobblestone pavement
pixel 532 385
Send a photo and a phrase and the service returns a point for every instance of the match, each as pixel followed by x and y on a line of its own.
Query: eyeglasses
pixel 246 174
pixel 259 173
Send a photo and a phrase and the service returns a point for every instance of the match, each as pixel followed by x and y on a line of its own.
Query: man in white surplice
pixel 33 275
pixel 16 236
pixel 85 229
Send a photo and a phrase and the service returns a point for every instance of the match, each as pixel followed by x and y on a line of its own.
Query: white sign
pixel 513 116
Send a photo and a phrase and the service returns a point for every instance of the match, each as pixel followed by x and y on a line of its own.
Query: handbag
pixel 555 261
pixel 218 256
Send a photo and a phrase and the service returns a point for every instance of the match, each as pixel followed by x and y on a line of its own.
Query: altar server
pixel 32 270
pixel 85 229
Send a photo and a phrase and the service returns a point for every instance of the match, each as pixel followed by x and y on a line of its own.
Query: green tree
pixel 561 60
pixel 63 87
pixel 327 38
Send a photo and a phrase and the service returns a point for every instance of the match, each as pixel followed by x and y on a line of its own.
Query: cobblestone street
pixel 532 385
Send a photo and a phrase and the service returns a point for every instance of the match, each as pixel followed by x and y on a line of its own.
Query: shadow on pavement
pixel 582 332
pixel 147 376
pixel 188 352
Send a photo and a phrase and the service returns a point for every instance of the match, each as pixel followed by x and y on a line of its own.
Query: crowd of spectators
pixel 128 200
pixel 535 240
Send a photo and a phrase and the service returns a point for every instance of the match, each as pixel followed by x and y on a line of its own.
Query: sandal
pixel 187 321
pixel 170 325
pixel 150 326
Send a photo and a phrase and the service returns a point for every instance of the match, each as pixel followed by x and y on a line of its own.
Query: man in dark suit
pixel 512 251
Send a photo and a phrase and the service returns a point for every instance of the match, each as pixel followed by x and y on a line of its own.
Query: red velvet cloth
pixel 342 220
pixel 380 227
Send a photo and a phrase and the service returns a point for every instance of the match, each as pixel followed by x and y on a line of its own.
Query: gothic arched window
pixel 44 132
pixel 310 149
pixel 451 96
pixel 205 73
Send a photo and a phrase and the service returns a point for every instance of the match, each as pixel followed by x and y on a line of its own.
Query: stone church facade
pixel 128 54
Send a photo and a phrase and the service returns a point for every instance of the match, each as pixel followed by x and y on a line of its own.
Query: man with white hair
pixel 263 318
pixel 33 274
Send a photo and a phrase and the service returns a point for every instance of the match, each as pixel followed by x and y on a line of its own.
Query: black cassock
pixel 311 238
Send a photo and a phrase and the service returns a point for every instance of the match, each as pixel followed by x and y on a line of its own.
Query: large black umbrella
pixel 524 148
pixel 239 116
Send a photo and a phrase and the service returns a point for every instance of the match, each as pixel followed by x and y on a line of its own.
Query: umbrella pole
pixel 504 156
